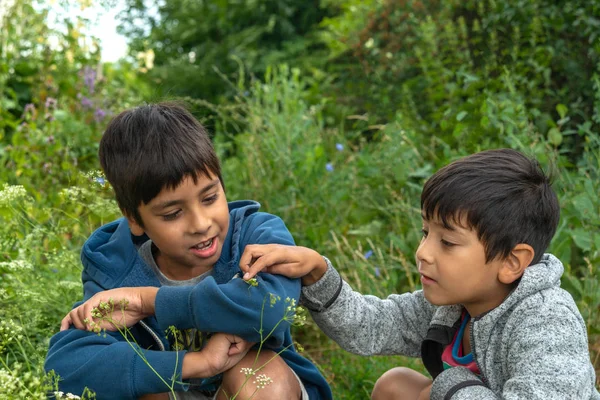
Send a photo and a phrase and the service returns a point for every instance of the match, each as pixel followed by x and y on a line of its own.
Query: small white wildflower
pixel 262 381
pixel 247 371
pixel 11 194
pixel 72 193
pixel 15 265
pixel 72 396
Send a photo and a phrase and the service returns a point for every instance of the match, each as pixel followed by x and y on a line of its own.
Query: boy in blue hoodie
pixel 174 258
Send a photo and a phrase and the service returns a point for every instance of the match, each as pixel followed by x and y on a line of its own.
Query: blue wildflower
pixel 329 167
pixel 368 254
pixel 339 146
pixel 377 272
pixel 100 180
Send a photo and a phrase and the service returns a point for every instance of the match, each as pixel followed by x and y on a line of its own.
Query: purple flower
pixel 368 254
pixel 50 139
pixel 29 109
pixel 86 103
pixel 339 146
pixel 100 180
pixel 329 167
pixel 377 272
pixel 99 115
pixel 89 78
pixel 51 102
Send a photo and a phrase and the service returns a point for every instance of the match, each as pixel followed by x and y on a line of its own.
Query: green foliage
pixel 341 156
pixel 449 65
pixel 193 42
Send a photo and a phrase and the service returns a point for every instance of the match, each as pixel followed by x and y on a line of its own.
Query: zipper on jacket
pixel 472 338
pixel 154 335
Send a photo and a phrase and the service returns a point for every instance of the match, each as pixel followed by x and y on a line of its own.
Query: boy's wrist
pixel 195 365
pixel 319 269
pixel 148 300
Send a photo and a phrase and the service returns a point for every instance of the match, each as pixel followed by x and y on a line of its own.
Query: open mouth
pixel 204 245
pixel 426 280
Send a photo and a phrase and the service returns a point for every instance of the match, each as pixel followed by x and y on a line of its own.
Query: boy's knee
pixel 275 380
pixel 399 384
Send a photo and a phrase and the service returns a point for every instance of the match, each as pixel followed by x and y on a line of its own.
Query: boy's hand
pixel 290 261
pixel 222 351
pixel 138 301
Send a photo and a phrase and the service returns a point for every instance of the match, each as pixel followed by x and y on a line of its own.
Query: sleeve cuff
pixel 320 295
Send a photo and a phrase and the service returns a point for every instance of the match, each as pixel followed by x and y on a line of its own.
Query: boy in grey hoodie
pixel 491 321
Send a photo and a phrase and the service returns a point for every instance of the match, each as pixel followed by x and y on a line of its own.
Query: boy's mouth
pixel 205 249
pixel 204 245
pixel 427 280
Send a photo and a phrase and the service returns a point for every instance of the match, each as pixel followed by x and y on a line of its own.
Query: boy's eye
pixel 425 232
pixel 447 243
pixel 211 199
pixel 172 216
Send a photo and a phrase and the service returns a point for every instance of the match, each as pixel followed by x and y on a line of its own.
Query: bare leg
pixel 284 385
pixel 400 384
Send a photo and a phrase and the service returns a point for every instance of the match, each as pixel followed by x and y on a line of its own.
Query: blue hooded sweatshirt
pixel 110 366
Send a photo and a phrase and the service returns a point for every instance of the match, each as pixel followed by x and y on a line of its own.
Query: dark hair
pixel 503 195
pixel 151 147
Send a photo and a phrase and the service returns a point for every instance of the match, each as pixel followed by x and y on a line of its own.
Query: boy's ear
pixel 514 265
pixel 135 228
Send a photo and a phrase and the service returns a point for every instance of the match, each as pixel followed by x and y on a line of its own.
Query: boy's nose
pixel 199 223
pixel 423 254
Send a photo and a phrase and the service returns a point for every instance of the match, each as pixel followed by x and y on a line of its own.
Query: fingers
pixel 66 322
pixel 265 263
pixel 251 253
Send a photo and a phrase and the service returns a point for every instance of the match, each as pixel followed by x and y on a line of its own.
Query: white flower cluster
pixel 72 193
pixel 8 382
pixel 9 331
pixel 15 265
pixel 61 395
pixel 11 194
pixel 247 371
pixel 18 384
pixel 262 381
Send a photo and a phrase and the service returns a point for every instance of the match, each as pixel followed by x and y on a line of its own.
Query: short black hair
pixel 151 147
pixel 504 195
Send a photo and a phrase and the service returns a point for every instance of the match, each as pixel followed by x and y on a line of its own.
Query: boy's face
pixel 454 271
pixel 188 225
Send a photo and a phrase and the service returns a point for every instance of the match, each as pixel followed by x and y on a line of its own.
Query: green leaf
pixel 461 115
pixel 554 136
pixel 582 238
pixel 562 110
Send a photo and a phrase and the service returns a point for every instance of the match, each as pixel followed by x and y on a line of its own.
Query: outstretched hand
pixel 290 261
pixel 112 309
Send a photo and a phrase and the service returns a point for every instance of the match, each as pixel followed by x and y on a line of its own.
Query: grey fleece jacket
pixel 532 346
